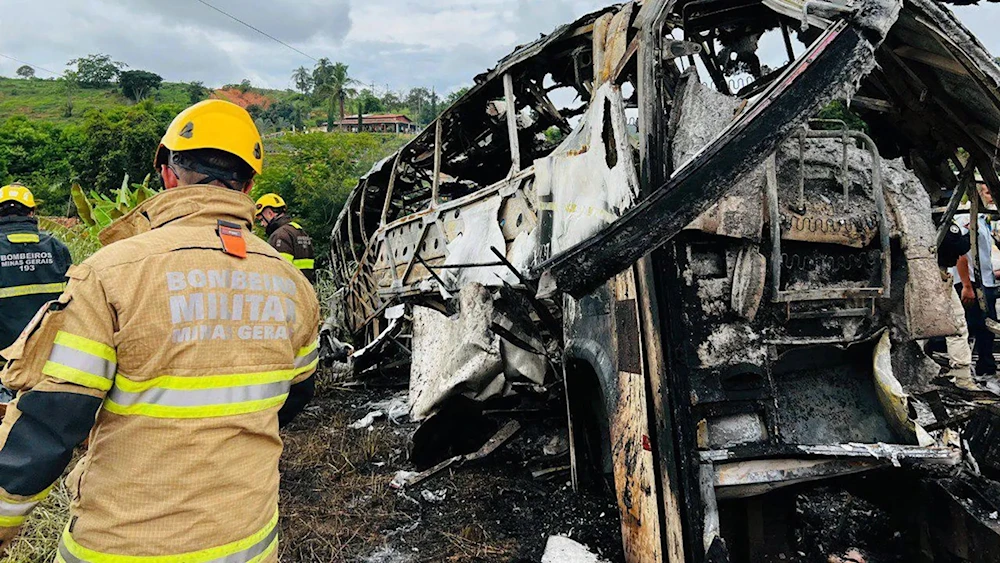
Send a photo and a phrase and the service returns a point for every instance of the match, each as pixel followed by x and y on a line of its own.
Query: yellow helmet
pixel 269 200
pixel 17 193
pixel 214 124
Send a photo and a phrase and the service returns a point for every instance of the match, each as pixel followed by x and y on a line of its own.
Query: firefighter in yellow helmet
pixel 180 348
pixel 285 235
pixel 33 264
pixel 33 267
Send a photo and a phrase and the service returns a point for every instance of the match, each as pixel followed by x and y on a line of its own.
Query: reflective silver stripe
pixel 82 361
pixel 69 557
pixel 250 552
pixel 199 397
pixel 17 508
pixel 239 557
pixel 307 359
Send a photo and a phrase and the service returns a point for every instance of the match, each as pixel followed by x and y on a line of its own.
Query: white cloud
pixel 399 43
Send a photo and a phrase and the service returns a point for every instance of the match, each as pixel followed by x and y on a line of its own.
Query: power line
pixel 29 64
pixel 269 36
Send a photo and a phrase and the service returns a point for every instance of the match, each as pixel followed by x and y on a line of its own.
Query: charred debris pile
pixel 643 218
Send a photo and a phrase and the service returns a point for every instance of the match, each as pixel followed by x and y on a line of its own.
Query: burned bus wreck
pixel 651 209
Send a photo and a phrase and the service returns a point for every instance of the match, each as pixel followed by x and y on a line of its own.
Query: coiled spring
pixel 830 263
pixel 828 224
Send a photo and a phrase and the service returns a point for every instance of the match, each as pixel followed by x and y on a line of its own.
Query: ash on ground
pixel 337 503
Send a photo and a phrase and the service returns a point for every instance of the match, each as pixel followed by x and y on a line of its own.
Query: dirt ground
pixel 337 503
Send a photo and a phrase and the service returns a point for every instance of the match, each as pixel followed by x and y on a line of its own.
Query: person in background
pixel 33 266
pixel 952 247
pixel 967 282
pixel 285 235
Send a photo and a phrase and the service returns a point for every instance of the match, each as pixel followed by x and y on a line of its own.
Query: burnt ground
pixel 337 503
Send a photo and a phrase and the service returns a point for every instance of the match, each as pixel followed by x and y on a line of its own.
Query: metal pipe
pixel 436 185
pixel 844 172
pixel 802 169
pixel 390 190
pixel 788 41
pixel 434 275
pixel 771 172
pixel 953 203
pixel 515 147
pixel 839 122
pixel 844 168
pixel 974 235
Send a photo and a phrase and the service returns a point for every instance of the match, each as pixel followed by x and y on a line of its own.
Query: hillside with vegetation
pixel 99 123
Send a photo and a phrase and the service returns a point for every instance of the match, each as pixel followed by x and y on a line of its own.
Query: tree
pixel 96 71
pixel 279 116
pixel 417 98
pixel 26 72
pixel 120 141
pixel 39 153
pixel 245 85
pixel 137 84
pixel 430 110
pixel 303 80
pixel 71 83
pixel 196 91
pixel 392 101
pixel 331 83
pixel 454 96
pixel 368 102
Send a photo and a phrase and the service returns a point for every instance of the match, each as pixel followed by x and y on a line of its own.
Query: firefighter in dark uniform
pixel 33 263
pixel 285 235
pixel 33 268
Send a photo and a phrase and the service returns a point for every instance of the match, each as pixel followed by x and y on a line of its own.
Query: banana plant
pixel 97 211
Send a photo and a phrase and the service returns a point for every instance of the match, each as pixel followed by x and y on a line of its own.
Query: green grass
pixel 39 539
pixel 46 99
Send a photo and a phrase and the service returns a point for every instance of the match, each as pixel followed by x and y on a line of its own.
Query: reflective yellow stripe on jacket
pixel 247 550
pixel 14 512
pixel 34 289
pixel 23 238
pixel 81 361
pixel 301 263
pixel 307 358
pixel 207 396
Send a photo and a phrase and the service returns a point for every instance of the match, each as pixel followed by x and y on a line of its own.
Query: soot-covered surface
pixel 337 504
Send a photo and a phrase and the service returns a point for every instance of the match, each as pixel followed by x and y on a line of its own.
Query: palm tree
pixel 332 82
pixel 303 80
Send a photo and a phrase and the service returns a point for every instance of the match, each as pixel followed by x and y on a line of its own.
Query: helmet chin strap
pixel 227 178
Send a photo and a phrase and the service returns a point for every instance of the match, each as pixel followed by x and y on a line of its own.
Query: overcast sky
pixel 391 43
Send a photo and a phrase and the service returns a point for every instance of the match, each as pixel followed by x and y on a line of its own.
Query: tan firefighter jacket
pixel 185 354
